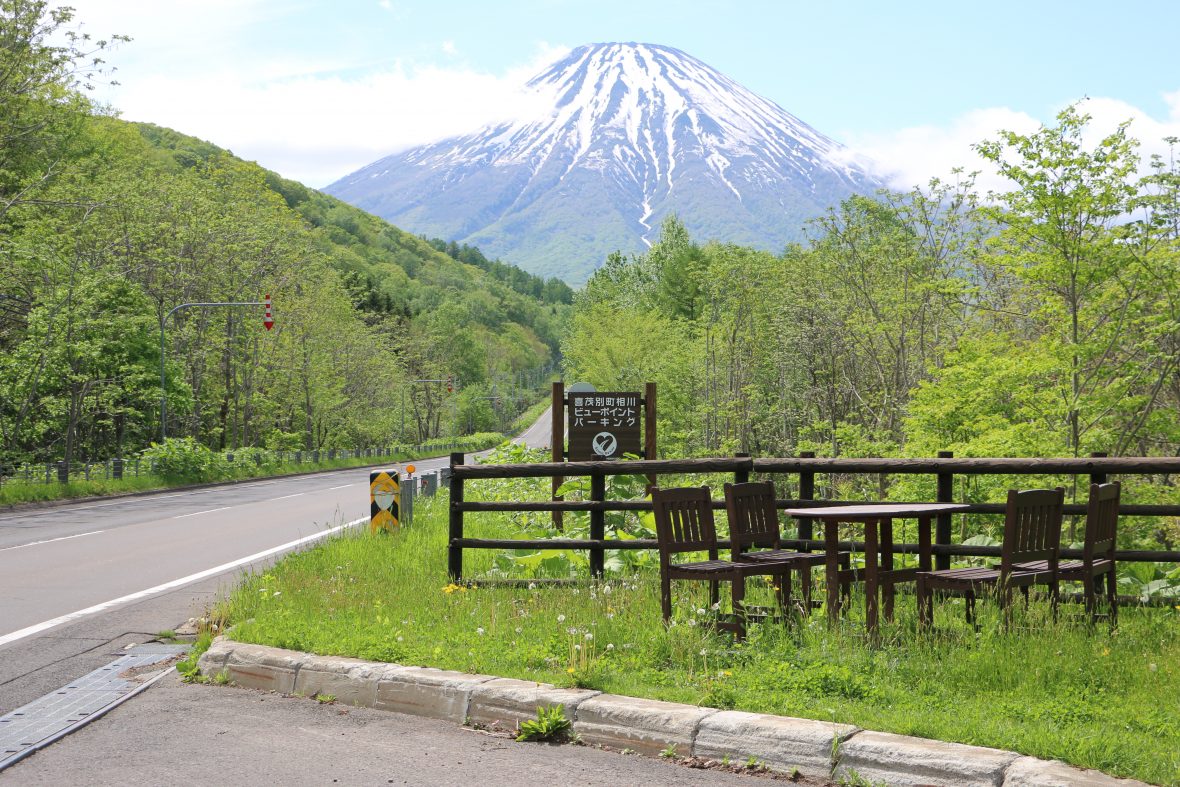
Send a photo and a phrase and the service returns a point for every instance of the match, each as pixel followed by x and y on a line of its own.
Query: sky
pixel 315 89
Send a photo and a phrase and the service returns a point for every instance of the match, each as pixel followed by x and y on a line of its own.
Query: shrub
pixel 183 459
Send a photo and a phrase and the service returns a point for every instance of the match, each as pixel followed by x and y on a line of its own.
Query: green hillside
pixel 106 226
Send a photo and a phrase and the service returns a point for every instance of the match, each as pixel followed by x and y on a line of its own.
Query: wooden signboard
pixel 604 425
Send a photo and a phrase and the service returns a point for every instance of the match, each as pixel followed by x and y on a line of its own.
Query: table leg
pixel 924 542
pixel 871 578
pixel 887 565
pixel 832 570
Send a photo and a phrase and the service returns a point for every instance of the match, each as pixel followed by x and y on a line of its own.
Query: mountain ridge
pixel 627 134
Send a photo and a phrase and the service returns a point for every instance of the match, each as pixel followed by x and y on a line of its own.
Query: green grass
pixel 1056 691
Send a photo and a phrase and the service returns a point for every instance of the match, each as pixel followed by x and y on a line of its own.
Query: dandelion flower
pixel 704 652
pixel 479 631
pixel 589 636
pixel 606 591
pixel 570 670
pixel 700 611
pixel 518 629
pixel 532 586
pixel 561 618
pixel 610 646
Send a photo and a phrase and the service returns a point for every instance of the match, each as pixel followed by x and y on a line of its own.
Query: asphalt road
pixel 80 582
pixel 187 734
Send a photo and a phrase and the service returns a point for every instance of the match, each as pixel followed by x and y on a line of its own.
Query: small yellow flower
pixel 452 588
pixel 570 670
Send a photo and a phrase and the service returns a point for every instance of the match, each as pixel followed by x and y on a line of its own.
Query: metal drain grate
pixel 44 720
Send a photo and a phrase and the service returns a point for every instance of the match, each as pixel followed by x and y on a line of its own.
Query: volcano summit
pixel 626 134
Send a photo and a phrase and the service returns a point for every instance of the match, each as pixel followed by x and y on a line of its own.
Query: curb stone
pixel 781 743
pixel 647 726
pixel 505 702
pixel 905 761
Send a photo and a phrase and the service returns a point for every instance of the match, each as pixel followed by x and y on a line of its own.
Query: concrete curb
pixel 813 748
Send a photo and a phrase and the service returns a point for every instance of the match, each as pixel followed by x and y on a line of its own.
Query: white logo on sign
pixel 604 444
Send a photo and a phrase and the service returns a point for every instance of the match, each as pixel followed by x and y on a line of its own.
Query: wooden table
pixel 878 522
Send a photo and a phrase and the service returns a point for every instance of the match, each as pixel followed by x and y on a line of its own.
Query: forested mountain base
pixel 105 226
pixel 1043 321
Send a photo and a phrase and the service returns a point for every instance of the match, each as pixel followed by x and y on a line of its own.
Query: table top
pixel 868 511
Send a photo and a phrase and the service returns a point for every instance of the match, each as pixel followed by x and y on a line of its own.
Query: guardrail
pixel 944 468
pixel 118 468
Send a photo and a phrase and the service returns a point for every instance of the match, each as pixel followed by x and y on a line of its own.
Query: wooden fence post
pixel 741 475
pixel 649 429
pixel 455 552
pixel 1098 478
pixel 557 441
pixel 942 527
pixel 806 492
pixel 597 525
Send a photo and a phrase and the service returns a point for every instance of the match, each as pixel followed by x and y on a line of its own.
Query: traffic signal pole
pixel 163 382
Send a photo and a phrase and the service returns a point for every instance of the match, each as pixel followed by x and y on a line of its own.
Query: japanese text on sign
pixel 603 425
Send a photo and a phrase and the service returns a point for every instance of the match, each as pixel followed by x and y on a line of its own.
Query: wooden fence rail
pixel 945 467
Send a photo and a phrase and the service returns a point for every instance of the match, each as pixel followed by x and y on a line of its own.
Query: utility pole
pixel 268 321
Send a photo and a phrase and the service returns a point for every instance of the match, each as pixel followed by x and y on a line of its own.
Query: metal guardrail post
pixel 405 505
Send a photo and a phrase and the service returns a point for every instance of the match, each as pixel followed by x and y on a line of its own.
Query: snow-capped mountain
pixel 627 133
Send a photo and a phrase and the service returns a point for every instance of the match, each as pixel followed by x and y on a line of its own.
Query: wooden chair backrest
pixel 1032 527
pixel 1102 522
pixel 753 519
pixel 684 520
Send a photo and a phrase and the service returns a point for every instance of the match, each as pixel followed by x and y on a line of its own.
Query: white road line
pixel 284 497
pixel 143 499
pixel 196 513
pixel 209 572
pixel 334 488
pixel 51 540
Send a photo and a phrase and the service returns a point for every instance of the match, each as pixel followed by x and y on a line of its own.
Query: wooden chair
pixel 754 524
pixel 1102 521
pixel 684 523
pixel 1032 532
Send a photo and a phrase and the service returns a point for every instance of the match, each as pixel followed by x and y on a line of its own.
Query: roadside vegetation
pixel 1052 690
pixel 182 462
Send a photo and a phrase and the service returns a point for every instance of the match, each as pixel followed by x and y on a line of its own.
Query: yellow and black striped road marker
pixel 385 493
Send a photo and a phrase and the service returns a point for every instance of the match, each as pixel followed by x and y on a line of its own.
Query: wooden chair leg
pixel 845 587
pixel 969 603
pixel 1006 607
pixel 666 597
pixel 805 588
pixel 1024 591
pixel 714 592
pixel 782 590
pixel 1054 598
pixel 1112 598
pixel 739 605
pixel 925 610
pixel 1090 597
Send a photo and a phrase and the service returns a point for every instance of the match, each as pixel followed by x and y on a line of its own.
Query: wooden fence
pixel 944 468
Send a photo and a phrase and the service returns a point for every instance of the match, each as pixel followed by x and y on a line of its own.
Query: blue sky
pixel 315 89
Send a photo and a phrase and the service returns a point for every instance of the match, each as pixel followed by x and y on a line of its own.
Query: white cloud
pixel 912 156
